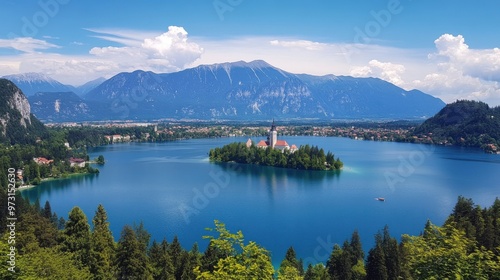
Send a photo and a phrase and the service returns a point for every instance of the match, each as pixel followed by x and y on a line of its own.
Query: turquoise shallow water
pixel 175 190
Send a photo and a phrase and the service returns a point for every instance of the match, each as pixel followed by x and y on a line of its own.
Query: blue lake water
pixel 175 190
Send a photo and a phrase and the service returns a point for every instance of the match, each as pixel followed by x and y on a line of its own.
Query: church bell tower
pixel 273 135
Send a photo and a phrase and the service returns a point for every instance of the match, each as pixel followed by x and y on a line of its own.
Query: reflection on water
pixel 274 178
pixel 46 188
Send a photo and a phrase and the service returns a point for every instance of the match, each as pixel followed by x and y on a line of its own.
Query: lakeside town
pixel 373 131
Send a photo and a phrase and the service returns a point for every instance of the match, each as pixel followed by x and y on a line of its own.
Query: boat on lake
pixel 380 199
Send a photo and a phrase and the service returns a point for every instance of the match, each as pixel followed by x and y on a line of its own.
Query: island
pixel 276 153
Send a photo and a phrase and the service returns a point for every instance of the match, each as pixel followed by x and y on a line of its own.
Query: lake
pixel 175 190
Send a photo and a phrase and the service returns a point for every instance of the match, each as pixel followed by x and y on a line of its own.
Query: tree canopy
pixel 305 158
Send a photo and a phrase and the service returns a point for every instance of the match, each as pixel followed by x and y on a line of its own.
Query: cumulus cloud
pixel 169 51
pixel 483 64
pixel 26 44
pixel 462 72
pixel 385 70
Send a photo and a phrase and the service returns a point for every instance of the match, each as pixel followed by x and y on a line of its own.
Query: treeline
pixel 48 247
pixel 305 158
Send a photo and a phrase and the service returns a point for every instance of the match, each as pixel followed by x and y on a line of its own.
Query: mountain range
pixel 228 91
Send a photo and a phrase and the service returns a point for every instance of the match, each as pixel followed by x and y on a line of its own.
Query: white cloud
pixel 303 44
pixel 483 64
pixel 26 44
pixel 169 51
pixel 463 73
pixel 125 37
pixel 450 71
pixel 385 70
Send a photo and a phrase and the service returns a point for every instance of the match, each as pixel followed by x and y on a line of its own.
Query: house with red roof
pixel 42 160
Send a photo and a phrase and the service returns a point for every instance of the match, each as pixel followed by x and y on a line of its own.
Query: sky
pixel 450 49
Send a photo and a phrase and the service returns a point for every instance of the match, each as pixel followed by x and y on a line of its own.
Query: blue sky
pixel 446 48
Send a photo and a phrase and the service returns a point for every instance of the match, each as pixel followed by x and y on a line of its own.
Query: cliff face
pixel 20 103
pixel 17 124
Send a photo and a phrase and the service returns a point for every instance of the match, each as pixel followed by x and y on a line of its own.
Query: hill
pixel 465 123
pixel 17 124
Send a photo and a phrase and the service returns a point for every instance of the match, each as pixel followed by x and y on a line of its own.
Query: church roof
pixel 281 143
pixel 262 143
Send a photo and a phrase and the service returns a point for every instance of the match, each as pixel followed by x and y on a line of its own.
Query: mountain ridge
pixel 253 90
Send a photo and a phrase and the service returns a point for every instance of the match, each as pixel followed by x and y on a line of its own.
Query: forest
pixel 467 246
pixel 305 158
pixel 464 123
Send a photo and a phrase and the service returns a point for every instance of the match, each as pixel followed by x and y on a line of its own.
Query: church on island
pixel 273 142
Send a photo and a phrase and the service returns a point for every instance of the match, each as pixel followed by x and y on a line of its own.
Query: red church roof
pixel 282 143
pixel 262 143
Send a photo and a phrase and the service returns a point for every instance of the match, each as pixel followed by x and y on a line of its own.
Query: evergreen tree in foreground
pixel 76 236
pixel 102 247
pixel 131 261
pixel 161 261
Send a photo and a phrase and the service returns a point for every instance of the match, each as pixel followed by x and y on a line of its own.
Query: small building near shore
pixel 42 160
pixel 78 162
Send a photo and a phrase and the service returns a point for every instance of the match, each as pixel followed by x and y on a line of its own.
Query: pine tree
pixel 375 264
pixel 130 260
pixel 77 236
pixel 316 272
pixel 391 254
pixel 161 261
pixel 291 260
pixel 193 260
pixel 211 257
pixel 356 247
pixel 47 210
pixel 102 246
pixel 178 257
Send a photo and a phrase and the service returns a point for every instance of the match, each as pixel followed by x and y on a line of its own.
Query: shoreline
pixel 69 176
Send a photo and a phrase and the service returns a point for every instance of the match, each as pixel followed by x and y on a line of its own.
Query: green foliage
pixel 100 159
pixel 375 264
pixel 244 262
pixel 316 272
pixel 305 158
pixel 446 253
pixel 192 261
pixel 131 260
pixel 465 123
pixel 289 273
pixel 161 261
pixel 76 236
pixel 481 225
pixel 291 260
pixel 211 257
pixel 102 247
pixel 178 256
pixel 51 263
